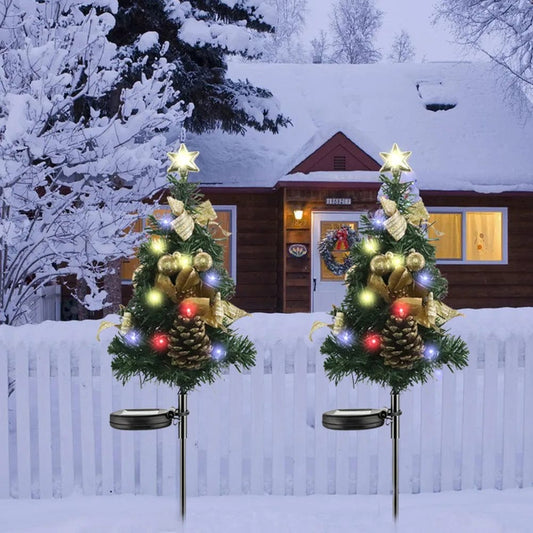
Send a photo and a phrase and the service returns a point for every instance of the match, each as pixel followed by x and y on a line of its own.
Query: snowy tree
pixel 501 30
pixel 402 50
pixel 201 34
pixel 354 24
pixel 282 46
pixel 72 174
pixel 319 46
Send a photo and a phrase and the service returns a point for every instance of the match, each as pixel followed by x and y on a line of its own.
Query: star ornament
pixel 395 160
pixel 182 161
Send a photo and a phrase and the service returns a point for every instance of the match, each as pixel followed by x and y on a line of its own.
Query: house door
pixel 327 288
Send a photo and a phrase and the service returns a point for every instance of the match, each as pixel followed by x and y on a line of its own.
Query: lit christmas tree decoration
pixel 345 338
pixel 187 309
pixel 159 342
pixel 212 278
pixel 133 337
pixel 367 297
pixel 154 297
pixel 371 246
pixel 400 309
pixel 166 222
pixel 372 342
pixel 378 220
pixel 424 278
pixel 158 245
pixel 431 352
pixel 185 261
pixel 218 352
pixel 397 260
pixel 395 160
pixel 182 161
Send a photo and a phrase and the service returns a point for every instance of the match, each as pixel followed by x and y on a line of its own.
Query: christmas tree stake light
pixel 166 222
pixel 133 337
pixel 345 337
pixel 185 261
pixel 400 309
pixel 397 260
pixel 431 352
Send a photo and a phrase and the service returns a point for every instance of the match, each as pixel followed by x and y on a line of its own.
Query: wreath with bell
pixel 341 239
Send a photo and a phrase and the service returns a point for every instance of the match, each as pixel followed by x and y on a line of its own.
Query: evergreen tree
pixel 197 36
pixel 175 329
pixel 388 329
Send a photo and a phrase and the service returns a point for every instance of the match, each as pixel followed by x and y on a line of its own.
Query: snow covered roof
pixel 476 140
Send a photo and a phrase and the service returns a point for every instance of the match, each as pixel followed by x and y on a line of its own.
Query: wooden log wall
pixel 258 246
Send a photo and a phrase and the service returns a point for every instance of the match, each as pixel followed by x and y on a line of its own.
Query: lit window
pixel 469 234
pixel 226 222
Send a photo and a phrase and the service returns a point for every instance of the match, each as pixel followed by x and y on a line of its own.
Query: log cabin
pixel 471 142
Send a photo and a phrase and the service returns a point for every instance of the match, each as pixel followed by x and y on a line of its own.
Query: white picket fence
pixel 261 431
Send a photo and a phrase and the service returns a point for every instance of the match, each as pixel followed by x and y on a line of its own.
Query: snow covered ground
pixel 488 511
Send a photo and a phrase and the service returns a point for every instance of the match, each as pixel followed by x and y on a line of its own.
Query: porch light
pixel 298 214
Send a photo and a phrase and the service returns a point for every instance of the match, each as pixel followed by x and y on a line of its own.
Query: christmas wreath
pixel 339 239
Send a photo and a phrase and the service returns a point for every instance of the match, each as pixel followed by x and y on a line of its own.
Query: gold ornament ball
pixel 167 265
pixel 415 261
pixel 380 265
pixel 202 261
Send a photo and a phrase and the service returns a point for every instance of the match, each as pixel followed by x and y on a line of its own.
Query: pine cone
pixel 401 345
pixel 189 346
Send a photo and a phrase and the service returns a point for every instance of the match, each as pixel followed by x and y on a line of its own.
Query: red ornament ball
pixel 372 342
pixel 159 342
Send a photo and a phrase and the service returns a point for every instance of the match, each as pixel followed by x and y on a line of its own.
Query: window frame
pixel 233 241
pixel 463 211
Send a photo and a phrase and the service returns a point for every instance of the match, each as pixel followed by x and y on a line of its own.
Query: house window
pixel 469 234
pixel 227 222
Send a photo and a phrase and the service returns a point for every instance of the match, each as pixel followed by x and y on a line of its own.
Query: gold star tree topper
pixel 182 161
pixel 395 161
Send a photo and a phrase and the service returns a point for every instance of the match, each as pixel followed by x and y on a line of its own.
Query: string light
pixel 218 352
pixel 188 309
pixel 212 278
pixel 159 342
pixel 397 260
pixel 345 338
pixel 166 222
pixel 371 246
pixel 367 297
pixel 185 261
pixel 431 352
pixel 378 221
pixel 133 337
pixel 400 309
pixel 424 278
pixel 372 342
pixel 154 297
pixel 158 245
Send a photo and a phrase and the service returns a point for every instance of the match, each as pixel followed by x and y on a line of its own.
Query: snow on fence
pixel 261 431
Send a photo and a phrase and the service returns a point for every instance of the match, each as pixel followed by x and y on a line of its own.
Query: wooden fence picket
pixel 299 423
pixel 257 441
pixel 527 445
pixel 447 441
pixel 22 391
pixel 4 422
pixel 44 423
pixel 279 410
pixel 510 404
pixel 106 431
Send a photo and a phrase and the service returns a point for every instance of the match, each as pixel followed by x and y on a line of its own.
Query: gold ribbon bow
pixel 396 224
pixel 189 288
pixel 204 214
pixel 401 288
pixel 336 327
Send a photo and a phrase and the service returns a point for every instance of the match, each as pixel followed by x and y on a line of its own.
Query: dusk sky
pixel 431 42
